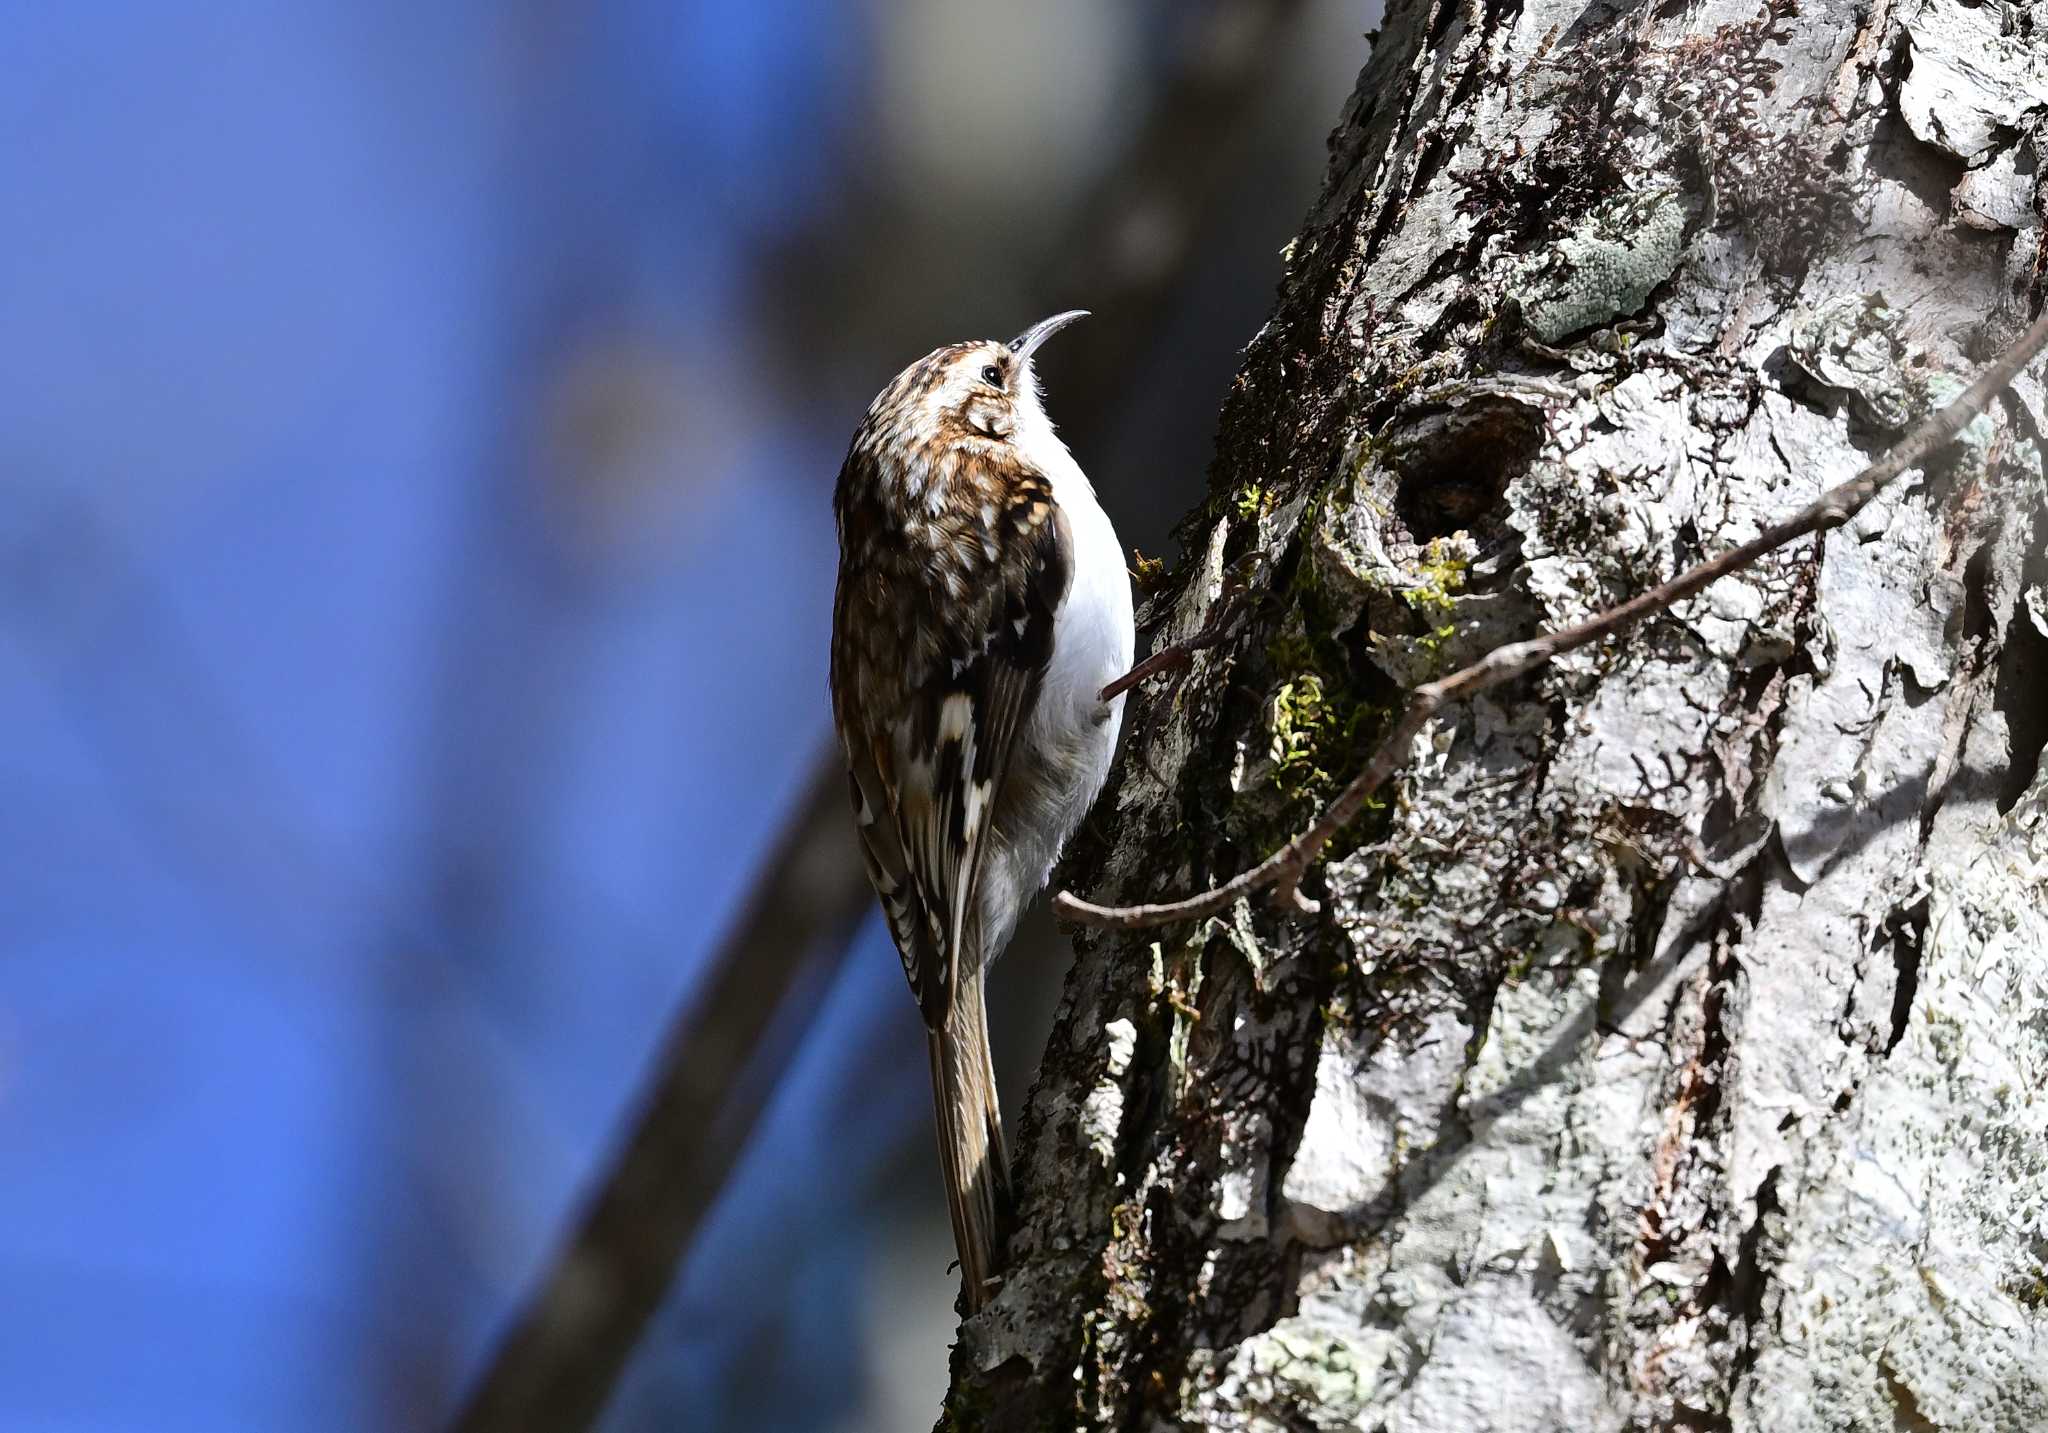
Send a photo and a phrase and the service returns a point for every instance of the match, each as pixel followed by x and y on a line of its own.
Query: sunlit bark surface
pixel 1670 1049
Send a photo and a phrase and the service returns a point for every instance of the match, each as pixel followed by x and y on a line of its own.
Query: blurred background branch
pixel 558 1363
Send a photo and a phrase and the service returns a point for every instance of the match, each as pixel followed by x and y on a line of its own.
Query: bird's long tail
pixel 971 1140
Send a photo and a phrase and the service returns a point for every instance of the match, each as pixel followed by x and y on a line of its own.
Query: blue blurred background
pixel 417 430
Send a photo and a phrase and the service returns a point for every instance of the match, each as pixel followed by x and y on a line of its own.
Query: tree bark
pixel 1668 1048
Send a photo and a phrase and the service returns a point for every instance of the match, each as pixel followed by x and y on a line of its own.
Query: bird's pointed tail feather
pixel 971 1149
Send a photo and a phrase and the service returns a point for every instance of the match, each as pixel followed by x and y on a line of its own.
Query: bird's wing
pixel 927 767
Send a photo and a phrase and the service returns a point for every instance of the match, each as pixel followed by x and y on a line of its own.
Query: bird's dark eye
pixel 992 375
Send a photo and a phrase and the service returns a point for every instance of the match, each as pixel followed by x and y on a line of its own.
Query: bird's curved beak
pixel 1026 343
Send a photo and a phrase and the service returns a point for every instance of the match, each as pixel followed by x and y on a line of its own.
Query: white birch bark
pixel 1672 1050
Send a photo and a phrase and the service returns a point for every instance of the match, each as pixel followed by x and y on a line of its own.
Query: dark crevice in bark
pixel 1442 15
pixel 1906 1414
pixel 1700 1087
pixel 1160 1342
pixel 1592 25
pixel 1761 689
pixel 1723 971
pixel 1634 956
pixel 1198 1288
pixel 1739 1292
pixel 1448 265
pixel 1781 865
pixel 1454 466
pixel 1904 937
pixel 1687 1418
pixel 1430 162
pixel 1479 1003
pixel 2022 692
pixel 1149 1100
pixel 1417 88
pixel 1967 697
pixel 1928 171
pixel 1449 134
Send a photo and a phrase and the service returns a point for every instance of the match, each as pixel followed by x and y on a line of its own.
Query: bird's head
pixel 984 389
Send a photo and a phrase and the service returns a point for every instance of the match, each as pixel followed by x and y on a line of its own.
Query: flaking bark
pixel 1667 1050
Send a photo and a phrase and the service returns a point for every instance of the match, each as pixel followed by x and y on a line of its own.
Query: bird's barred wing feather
pixel 929 747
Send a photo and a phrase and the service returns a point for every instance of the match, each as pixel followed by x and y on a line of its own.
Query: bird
pixel 982 605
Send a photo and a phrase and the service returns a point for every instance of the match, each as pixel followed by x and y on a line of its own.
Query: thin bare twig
pixel 1178 656
pixel 1282 871
pixel 1170 658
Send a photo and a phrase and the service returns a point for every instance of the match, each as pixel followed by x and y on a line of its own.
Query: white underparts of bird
pixel 982 606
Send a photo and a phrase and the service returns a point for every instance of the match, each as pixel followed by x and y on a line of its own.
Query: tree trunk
pixel 1668 1049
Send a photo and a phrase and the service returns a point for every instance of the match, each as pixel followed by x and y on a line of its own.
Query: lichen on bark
pixel 1666 1052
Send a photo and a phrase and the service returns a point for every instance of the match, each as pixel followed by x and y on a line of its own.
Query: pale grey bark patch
pixel 1978 75
pixel 1668 1050
pixel 1914 1258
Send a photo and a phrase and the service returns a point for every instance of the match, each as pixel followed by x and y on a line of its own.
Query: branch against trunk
pixel 1665 1050
pixel 1282 871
